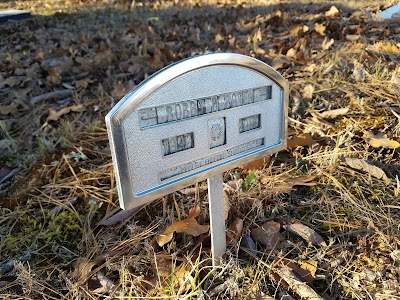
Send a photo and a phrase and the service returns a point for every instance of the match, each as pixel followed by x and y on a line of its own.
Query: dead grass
pixel 52 244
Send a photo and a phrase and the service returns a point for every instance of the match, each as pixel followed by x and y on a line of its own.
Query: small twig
pixel 11 174
pixel 10 264
pixel 52 95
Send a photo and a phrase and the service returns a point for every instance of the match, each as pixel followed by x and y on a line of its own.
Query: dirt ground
pixel 318 221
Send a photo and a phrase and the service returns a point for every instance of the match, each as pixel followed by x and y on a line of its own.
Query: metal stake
pixel 217 221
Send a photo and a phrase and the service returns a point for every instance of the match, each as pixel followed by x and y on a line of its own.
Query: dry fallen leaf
pixel 107 285
pixel 191 191
pixel 55 115
pixel 292 53
pixel 188 225
pixel 296 284
pixel 257 164
pixel 352 37
pixel 308 91
pixel 310 268
pixel 306 271
pixel 7 173
pixel 165 268
pixel 362 165
pixel 268 235
pixel 381 140
pixel 54 76
pixel 301 140
pixel 358 71
pixel 285 185
pixel 227 205
pixel 320 28
pixel 82 269
pixel 120 216
pixel 296 29
pixel 327 43
pixel 83 83
pixel 234 231
pixel 306 180
pixel 9 109
pixel 330 114
pixel 332 12
pixel 306 233
pixel 279 62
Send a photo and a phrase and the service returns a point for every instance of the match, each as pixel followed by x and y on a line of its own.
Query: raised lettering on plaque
pixel 249 123
pixel 177 143
pixel 182 110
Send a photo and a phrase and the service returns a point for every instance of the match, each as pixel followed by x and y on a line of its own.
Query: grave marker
pixel 192 121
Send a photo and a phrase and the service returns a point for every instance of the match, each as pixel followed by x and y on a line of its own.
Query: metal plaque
pixel 194 120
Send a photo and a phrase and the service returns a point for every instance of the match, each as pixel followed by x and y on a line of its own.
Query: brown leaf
pixel 320 28
pixel 107 285
pixel 227 206
pixel 83 83
pixel 6 173
pixel 292 53
pixel 381 141
pixel 332 12
pixel 308 91
pixel 268 235
pixel 82 269
pixel 296 284
pixel 301 180
pixel 120 216
pixel 188 225
pixel 326 44
pixel 358 71
pixel 192 190
pixel 285 185
pixel 296 29
pixel 352 37
pixel 162 265
pixel 257 164
pixel 9 109
pixel 165 267
pixel 11 81
pixel 362 165
pixel 301 140
pixel 219 38
pixel 306 233
pixel 310 268
pixel 306 271
pixel 331 114
pixel 234 231
pixel 279 62
pixel 194 212
pixel 183 277
pixel 54 76
pixel 55 115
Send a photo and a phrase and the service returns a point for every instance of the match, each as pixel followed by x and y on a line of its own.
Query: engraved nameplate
pixel 177 143
pixel 189 109
pixel 249 123
pixel 193 120
pixel 204 161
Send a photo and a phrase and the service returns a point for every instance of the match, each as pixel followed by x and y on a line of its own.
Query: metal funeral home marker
pixel 194 120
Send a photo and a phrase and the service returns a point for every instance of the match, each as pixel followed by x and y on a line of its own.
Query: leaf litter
pixel 341 66
pixel 188 226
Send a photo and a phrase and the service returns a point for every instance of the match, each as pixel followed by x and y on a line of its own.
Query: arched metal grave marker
pixel 194 120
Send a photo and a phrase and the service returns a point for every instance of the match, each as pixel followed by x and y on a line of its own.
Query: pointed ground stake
pixel 217 221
